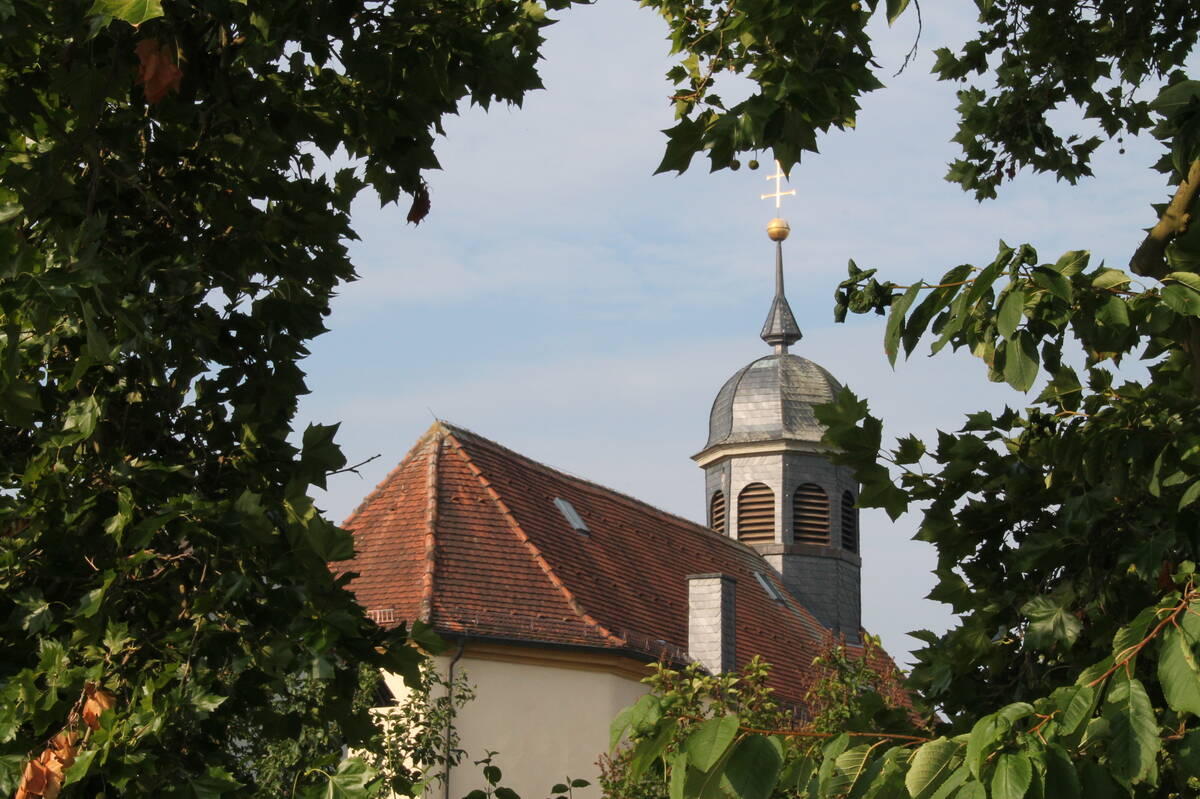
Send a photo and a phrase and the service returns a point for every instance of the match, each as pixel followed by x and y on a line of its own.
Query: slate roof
pixel 464 534
pixel 770 399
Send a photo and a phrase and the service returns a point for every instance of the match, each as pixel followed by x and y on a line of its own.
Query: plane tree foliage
pixel 1067 527
pixel 169 244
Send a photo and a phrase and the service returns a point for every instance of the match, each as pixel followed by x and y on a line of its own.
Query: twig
pixel 939 285
pixel 353 468
pixel 912 50
pixel 890 736
pixel 1128 654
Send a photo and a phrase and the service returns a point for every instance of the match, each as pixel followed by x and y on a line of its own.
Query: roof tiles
pixel 464 533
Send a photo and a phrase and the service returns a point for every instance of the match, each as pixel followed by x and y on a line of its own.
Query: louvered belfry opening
pixel 756 514
pixel 810 514
pixel 849 522
pixel 716 512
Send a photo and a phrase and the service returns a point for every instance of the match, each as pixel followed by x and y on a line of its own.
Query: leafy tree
pixel 168 246
pixel 685 737
pixel 1066 531
pixel 169 243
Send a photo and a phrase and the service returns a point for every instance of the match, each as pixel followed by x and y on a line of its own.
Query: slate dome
pixel 771 399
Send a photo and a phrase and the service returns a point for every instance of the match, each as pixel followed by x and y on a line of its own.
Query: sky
pixel 562 300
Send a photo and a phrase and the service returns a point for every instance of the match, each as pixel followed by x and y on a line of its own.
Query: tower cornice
pixel 719 452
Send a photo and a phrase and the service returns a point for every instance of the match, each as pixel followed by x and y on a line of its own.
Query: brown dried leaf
pixel 157 72
pixel 33 781
pixel 420 205
pixel 98 701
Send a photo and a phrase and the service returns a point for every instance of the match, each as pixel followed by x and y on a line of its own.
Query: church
pixel 554 593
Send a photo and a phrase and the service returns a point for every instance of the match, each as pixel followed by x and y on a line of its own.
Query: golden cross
pixel 777 177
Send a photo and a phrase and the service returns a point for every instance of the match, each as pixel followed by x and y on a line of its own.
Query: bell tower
pixel 769 482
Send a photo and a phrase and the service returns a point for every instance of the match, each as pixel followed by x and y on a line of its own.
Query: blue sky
pixel 563 301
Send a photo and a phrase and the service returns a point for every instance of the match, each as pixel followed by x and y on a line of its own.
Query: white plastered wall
pixel 544 722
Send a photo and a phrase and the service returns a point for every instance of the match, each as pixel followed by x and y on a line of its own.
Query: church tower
pixel 768 479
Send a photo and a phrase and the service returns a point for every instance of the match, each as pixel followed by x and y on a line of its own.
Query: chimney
pixel 711 619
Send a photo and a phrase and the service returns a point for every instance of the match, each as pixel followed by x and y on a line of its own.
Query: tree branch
pixel 1150 259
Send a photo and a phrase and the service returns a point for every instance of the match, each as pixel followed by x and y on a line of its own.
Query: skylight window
pixel 768 587
pixel 571 515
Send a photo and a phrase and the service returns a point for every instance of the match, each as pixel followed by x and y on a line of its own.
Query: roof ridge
pixel 431 519
pixel 594 486
pixel 538 558
pixel 413 451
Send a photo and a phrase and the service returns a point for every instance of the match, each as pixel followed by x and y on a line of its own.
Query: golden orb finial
pixel 778 229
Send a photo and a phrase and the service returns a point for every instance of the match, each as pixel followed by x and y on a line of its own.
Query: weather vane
pixel 778 177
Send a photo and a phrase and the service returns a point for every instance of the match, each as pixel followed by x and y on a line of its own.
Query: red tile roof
pixel 464 534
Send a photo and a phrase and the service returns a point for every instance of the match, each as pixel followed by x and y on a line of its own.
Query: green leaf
pixel 651 749
pixel 683 141
pixel 1114 313
pixel 214 783
pixel 1011 310
pixel 986 736
pixel 894 9
pixel 1077 712
pixel 207 702
pixel 135 12
pixel 909 449
pixel 1097 784
pixel 1189 279
pixel 1178 673
pixel 1012 776
pixel 79 769
pixel 351 780
pixel 676 787
pixel 1131 634
pixel 80 419
pixel 1110 279
pixel 639 716
pixel 848 768
pixel 1049 624
pixel 328 541
pixel 1176 97
pixel 753 768
pixel 1012 713
pixel 952 783
pixel 930 765
pixel 708 741
pixel 1057 284
pixel 1188 753
pixel 1072 262
pixel 1062 780
pixel 895 322
pixel 829 755
pixel 1134 728
pixel 1190 495
pixel 1020 361
pixel 972 790
pixel 320 453
pixel 90 603
pixel 1182 299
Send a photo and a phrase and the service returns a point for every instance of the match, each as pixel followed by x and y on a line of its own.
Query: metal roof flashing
pixel 571 515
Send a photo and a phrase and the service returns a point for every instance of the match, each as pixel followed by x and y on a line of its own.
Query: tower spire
pixel 780 330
